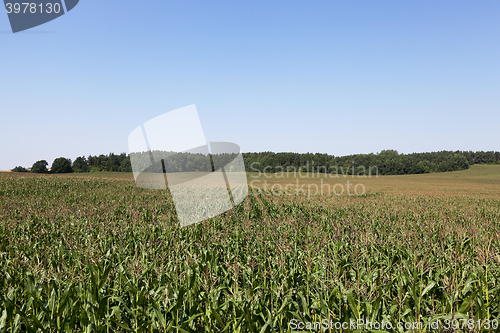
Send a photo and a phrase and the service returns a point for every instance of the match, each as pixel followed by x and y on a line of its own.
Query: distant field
pixel 479 180
pixel 95 253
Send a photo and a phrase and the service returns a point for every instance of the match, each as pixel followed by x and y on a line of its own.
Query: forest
pixel 386 162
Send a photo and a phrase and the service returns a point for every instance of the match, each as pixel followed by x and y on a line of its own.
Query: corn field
pixel 83 254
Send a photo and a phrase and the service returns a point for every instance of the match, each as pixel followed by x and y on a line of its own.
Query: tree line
pixel 111 162
pixel 386 162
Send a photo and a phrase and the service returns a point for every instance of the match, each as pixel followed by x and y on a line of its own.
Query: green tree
pixel 126 166
pixel 61 165
pixel 40 167
pixel 80 165
pixel 19 169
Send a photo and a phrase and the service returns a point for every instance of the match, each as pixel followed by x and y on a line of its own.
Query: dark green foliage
pixel 40 167
pixel 80 165
pixel 174 162
pixel 19 169
pixel 61 165
pixel 387 162
pixel 111 162
pixel 125 166
pixel 180 162
pixel 183 162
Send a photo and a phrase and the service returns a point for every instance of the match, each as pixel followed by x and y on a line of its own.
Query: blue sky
pixel 336 77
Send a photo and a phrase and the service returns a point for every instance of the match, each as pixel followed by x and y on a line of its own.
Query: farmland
pixel 95 253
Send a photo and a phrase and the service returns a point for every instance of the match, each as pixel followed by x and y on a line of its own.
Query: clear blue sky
pixel 338 77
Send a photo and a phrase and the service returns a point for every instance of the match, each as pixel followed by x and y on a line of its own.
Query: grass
pixel 95 253
pixel 478 181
